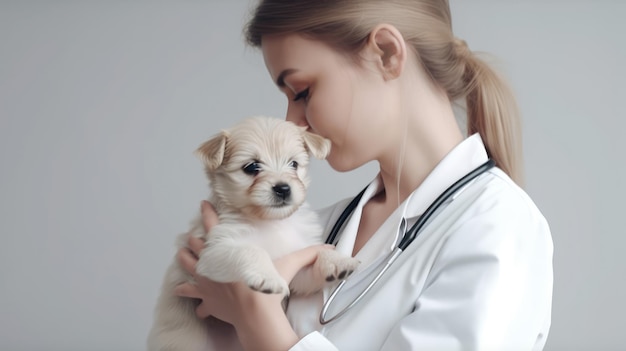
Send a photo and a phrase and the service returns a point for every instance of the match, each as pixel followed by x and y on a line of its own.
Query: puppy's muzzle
pixel 282 191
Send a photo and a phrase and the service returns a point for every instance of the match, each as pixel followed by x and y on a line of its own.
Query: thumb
pixel 209 215
pixel 203 310
pixel 187 290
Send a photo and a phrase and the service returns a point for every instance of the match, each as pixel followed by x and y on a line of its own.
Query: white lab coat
pixel 478 277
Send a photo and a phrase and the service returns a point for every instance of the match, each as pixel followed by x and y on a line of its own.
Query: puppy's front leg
pixel 228 258
pixel 329 266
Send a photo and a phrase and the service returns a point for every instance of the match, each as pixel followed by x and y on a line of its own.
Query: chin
pixel 343 163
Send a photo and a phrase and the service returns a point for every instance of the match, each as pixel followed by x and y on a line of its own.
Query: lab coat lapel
pixel 349 232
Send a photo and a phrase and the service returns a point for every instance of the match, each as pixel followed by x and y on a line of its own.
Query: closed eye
pixel 302 95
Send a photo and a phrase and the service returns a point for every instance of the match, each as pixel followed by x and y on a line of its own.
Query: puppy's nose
pixel 282 190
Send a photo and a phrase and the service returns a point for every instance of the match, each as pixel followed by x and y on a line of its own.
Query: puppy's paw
pixel 267 283
pixel 332 265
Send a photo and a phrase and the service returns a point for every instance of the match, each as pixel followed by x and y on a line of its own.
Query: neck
pixel 426 136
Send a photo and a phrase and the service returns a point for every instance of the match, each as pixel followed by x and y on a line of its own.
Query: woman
pixel 378 79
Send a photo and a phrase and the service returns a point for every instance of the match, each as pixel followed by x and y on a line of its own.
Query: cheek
pixel 329 110
pixel 358 125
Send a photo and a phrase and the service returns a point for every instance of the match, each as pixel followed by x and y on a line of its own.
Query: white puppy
pixel 258 174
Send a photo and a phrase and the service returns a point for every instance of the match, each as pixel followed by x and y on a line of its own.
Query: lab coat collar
pixel 465 157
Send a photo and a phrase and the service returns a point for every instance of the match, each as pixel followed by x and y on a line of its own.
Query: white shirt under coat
pixel 478 277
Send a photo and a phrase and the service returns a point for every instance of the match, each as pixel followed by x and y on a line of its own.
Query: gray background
pixel 102 104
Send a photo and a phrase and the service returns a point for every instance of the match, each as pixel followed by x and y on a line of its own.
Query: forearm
pixel 266 328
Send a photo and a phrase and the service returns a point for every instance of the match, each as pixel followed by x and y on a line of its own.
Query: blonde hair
pixel 426 26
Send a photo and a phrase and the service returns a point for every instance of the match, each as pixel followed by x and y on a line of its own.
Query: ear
pixel 387 47
pixel 212 151
pixel 318 146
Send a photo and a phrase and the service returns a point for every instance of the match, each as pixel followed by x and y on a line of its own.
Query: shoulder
pixel 507 205
pixel 500 223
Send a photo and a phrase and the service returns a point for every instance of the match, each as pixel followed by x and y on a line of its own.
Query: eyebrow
pixel 280 81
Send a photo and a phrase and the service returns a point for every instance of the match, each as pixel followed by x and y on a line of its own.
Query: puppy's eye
pixel 293 164
pixel 252 168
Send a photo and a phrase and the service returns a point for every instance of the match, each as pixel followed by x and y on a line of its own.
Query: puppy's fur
pixel 258 174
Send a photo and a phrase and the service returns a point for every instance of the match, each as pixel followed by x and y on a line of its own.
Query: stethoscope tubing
pixel 392 258
pixel 449 194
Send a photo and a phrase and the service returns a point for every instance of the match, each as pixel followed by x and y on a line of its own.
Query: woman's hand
pixel 258 318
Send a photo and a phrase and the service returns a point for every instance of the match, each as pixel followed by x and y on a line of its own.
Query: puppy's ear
pixel 318 146
pixel 212 151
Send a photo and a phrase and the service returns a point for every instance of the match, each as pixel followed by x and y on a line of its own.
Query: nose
pixel 282 190
pixel 295 114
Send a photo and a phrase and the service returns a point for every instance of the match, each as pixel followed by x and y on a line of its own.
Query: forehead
pixel 294 51
pixel 264 137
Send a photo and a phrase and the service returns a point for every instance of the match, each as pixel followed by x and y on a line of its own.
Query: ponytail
pixel 492 112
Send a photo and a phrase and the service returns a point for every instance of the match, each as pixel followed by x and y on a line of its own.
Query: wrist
pixel 265 326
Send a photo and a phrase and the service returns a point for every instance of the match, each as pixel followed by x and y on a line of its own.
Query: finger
pixel 209 215
pixel 187 261
pixel 203 310
pixel 289 265
pixel 195 245
pixel 187 290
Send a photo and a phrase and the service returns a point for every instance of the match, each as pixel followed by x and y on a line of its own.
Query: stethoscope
pixel 409 236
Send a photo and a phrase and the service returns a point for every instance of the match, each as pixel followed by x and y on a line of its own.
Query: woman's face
pixel 332 95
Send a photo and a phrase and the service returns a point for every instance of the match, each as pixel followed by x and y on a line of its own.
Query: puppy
pixel 258 176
